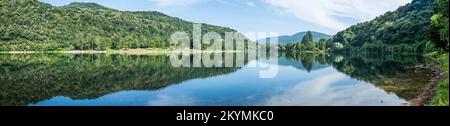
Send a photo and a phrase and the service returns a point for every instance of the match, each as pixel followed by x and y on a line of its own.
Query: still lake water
pixel 150 80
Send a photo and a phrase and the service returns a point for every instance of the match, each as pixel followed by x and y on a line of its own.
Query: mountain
pixel 285 39
pixel 33 25
pixel 406 30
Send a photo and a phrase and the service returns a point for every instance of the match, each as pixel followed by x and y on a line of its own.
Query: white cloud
pixel 251 4
pixel 165 3
pixel 324 12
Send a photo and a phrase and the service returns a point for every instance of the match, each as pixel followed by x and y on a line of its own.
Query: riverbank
pixel 436 92
pixel 440 97
pixel 146 51
pixel 429 90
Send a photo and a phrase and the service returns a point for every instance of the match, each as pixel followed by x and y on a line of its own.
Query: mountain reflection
pixel 305 79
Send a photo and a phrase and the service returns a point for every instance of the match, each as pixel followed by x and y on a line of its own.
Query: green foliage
pixel 308 37
pixel 439 24
pixel 441 97
pixel 322 44
pixel 308 41
pixel 32 25
pixel 406 28
pixel 307 44
pixel 338 45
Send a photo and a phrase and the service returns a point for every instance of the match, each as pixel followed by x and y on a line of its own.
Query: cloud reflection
pixel 170 100
pixel 334 90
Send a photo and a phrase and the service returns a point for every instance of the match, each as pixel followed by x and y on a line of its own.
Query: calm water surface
pixel 145 80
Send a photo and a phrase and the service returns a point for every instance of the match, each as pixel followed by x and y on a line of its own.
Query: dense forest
pixel 31 25
pixel 418 27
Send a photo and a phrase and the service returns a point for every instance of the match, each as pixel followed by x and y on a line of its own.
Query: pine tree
pixel 308 41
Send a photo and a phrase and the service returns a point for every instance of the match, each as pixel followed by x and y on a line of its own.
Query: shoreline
pixel 130 51
pixel 429 91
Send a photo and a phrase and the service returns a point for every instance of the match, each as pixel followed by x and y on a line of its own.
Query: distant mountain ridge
pixel 285 39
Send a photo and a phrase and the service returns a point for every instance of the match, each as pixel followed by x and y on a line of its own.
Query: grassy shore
pixel 442 89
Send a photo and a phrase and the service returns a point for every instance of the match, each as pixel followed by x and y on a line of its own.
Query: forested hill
pixel 297 37
pixel 408 29
pixel 33 25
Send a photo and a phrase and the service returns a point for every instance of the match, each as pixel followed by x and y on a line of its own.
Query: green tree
pixel 308 41
pixel 322 44
pixel 330 44
pixel 439 24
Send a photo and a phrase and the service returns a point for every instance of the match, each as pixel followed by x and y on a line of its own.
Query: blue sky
pixel 283 16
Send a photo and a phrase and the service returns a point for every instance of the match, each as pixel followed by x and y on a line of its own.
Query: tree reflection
pixel 393 73
pixel 29 78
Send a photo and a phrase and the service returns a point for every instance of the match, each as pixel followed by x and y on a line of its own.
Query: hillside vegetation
pixel 30 25
pixel 420 27
pixel 417 27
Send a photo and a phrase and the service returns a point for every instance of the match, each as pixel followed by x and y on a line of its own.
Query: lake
pixel 150 80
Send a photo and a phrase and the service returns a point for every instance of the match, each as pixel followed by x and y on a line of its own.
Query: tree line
pixel 308 44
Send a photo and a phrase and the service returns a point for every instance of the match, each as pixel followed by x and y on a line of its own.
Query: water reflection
pixel 303 79
pixel 334 89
